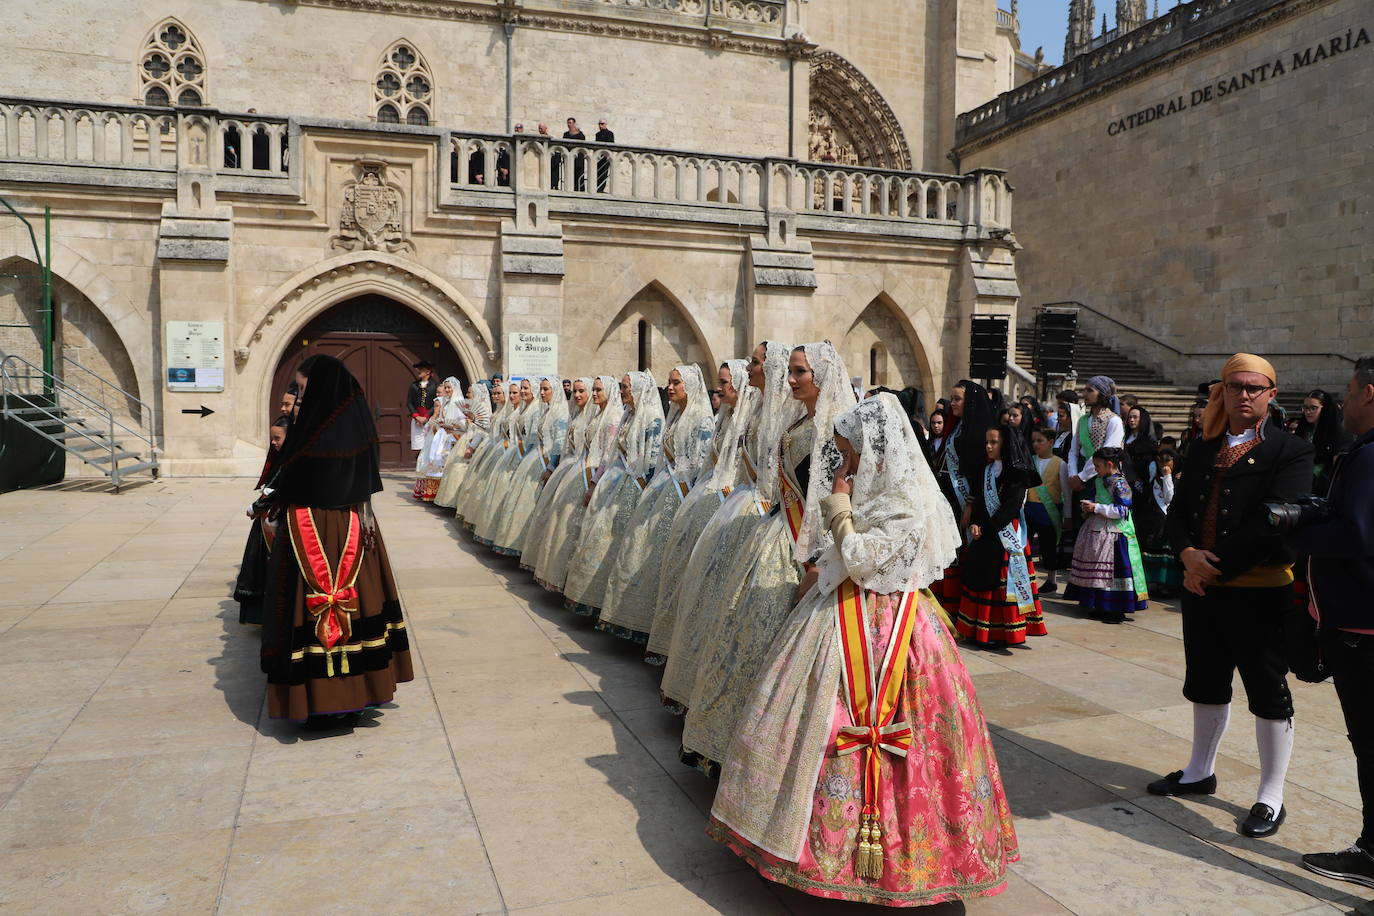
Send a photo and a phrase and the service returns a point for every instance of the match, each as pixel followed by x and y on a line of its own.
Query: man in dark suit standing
pixel 604 134
pixel 420 400
pixel 1238 581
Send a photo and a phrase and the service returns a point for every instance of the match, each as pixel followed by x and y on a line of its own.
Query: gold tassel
pixel 875 850
pixel 343 661
pixel 328 663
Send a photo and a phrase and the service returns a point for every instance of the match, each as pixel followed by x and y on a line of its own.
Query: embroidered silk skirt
pixel 633 586
pixel 1103 577
pixel 689 522
pixel 946 828
pixel 304 677
pixel 603 528
pixel 560 530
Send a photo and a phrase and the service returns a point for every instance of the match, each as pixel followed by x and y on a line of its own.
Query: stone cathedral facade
pixel 372 174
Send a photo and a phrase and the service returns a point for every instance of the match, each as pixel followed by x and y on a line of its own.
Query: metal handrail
pixel 146 409
pixel 58 385
pixel 1175 350
pixel 8 389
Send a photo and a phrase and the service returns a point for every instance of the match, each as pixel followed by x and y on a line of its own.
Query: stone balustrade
pixel 66 141
pixel 76 134
pixel 590 170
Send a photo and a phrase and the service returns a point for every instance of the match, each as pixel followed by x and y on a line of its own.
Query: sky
pixel 1044 22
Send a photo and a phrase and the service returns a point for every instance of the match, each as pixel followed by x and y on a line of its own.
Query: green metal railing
pixel 44 261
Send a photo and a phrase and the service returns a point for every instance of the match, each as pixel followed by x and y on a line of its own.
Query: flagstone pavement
pixel 529 767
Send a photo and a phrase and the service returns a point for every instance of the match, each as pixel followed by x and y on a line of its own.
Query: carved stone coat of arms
pixel 370 217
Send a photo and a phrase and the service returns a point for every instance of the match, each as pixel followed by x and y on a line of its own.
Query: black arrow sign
pixel 203 411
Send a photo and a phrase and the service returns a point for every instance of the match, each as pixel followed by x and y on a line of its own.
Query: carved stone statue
pixel 370 217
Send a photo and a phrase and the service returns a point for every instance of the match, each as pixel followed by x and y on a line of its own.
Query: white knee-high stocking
pixel 1274 738
pixel 1209 724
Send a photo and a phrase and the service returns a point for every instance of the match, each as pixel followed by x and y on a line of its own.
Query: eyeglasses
pixel 1311 408
pixel 1253 391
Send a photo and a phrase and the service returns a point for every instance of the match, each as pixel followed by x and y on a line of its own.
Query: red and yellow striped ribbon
pixel 871 693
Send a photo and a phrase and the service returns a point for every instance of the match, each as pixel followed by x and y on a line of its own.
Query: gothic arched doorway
pixel 378 339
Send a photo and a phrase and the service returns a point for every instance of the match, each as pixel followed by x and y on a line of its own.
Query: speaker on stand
pixel 987 354
pixel 1056 331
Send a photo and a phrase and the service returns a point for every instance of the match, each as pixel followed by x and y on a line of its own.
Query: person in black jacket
pixel 420 401
pixel 1238 581
pixel 1341 577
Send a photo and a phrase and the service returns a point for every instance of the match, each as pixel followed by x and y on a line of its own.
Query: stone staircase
pixel 1168 404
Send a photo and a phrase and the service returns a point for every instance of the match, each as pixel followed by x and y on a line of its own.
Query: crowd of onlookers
pixel 477 160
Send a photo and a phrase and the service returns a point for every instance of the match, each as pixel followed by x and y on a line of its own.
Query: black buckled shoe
pixel 1353 864
pixel 1173 785
pixel 1262 821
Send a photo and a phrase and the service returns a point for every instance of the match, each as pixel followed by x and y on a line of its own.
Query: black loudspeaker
pixel 1055 333
pixel 987 353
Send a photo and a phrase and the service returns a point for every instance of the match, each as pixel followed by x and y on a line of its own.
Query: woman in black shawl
pixel 960 466
pixel 252 579
pixel 334 641
pixel 1000 604
pixel 1322 425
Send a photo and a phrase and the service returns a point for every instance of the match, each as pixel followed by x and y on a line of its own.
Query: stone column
pixel 531 275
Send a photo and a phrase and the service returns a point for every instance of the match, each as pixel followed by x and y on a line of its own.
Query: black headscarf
pixel 972 431
pixel 1017 462
pixel 329 459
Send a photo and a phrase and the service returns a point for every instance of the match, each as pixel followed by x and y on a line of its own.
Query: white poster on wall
pixel 195 356
pixel 529 354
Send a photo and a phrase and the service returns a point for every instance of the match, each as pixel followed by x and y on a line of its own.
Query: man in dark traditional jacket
pixel 420 401
pixel 1238 581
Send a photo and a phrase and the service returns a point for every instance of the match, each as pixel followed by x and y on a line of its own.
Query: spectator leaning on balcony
pixel 1341 576
pixel 1238 581
pixel 604 134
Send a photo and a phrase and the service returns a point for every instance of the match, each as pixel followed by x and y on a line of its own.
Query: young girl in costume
pixel 1108 574
pixel 1001 604
pixel 1045 506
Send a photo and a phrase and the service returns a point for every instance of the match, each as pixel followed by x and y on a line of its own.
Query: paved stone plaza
pixel 529 766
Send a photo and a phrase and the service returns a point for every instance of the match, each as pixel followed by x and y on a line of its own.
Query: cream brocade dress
pixel 759 596
pixel 513 518
pixel 474 485
pixel 632 590
pixel 455 471
pixel 705 588
pixel 498 485
pixel 544 528
pixel 689 522
pixel 603 526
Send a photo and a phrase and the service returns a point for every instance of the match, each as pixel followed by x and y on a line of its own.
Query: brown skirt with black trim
pixel 303 679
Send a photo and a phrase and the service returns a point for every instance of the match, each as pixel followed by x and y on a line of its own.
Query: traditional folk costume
pixel 632 590
pixel 707 592
pixel 1237 623
pixel 251 584
pixel 477 410
pixel 712 488
pixel 961 473
pixel 470 492
pixel 523 435
pixel 420 402
pixel 862 768
pixel 543 452
pixel 1045 510
pixel 1163 572
pixel 573 454
pixel 441 432
pixel 1108 574
pixel 562 531
pixel 762 595
pixel 1098 428
pixel 334 640
pixel 1001 603
pixel 617 493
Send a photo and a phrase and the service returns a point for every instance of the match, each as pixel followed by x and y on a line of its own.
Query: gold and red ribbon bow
pixel 871 693
pixel 333 596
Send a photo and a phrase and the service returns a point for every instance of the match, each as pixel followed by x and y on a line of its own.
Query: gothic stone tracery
pixel 851 123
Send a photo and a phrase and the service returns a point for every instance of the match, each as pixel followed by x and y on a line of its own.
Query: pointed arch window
pixel 171 67
pixel 403 89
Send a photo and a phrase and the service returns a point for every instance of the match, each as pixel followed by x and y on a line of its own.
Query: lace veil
pixel 837 396
pixel 777 411
pixel 730 424
pixel 553 422
pixel 604 426
pixel 580 420
pixel 904 536
pixel 478 405
pixel 644 443
pixel 691 425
